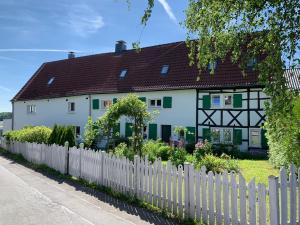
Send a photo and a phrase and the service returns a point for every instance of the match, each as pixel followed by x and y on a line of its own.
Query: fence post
pixel 81 147
pixel 67 157
pixel 274 200
pixel 186 189
pixel 102 167
pixel 135 178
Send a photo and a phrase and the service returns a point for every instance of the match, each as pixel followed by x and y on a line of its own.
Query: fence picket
pixel 181 191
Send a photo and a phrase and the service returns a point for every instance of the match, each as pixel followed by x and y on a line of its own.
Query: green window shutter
pixel 206 134
pixel 237 101
pixel 116 130
pixel 115 100
pixel 153 131
pixel 128 129
pixel 237 137
pixel 190 135
pixel 143 99
pixel 206 102
pixel 167 102
pixel 264 140
pixel 95 103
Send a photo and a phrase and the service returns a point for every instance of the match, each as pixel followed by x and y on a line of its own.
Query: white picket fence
pixel 212 198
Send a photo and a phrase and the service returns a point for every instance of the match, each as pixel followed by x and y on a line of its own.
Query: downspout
pixel 13 115
pixel 90 105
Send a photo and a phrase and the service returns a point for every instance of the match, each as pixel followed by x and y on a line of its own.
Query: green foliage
pixel 180 130
pixel 156 149
pixel 134 109
pixel 38 134
pixel 61 134
pixel 202 149
pixel 5 115
pixel 91 130
pixel 216 164
pixel 178 156
pixel 122 150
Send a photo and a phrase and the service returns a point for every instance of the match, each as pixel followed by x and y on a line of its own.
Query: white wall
pixel 182 113
pixel 52 111
pixel 55 111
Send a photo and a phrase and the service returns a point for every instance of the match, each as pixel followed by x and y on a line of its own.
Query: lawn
pixel 260 169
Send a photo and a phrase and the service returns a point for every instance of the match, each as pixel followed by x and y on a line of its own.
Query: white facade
pixel 56 111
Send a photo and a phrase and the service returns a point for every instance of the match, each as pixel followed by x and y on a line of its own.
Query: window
pixel 227 135
pixel 216 101
pixel 212 65
pixel 77 130
pixel 31 109
pixel 123 73
pixel 216 135
pixel 105 104
pixel 155 103
pixel 164 69
pixel 228 100
pixel 71 106
pixel 251 63
pixel 255 138
pixel 51 80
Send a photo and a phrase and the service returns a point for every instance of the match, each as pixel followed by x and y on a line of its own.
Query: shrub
pixel 190 148
pixel 164 152
pixel 122 150
pixel 178 156
pixel 38 134
pixel 202 149
pixel 216 164
pixel 61 134
pixel 151 149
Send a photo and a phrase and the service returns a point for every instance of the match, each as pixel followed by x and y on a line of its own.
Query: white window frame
pixel 31 109
pixel 70 107
pixel 259 137
pixel 211 99
pixel 106 107
pixel 227 142
pixel 211 132
pixel 228 106
pixel 156 106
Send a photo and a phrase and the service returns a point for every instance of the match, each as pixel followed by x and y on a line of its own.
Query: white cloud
pixel 8 58
pixel 2 88
pixel 36 50
pixel 168 10
pixel 84 20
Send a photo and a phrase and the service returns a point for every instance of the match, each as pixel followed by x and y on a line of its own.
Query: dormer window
pixel 212 65
pixel 251 63
pixel 123 73
pixel 164 69
pixel 51 80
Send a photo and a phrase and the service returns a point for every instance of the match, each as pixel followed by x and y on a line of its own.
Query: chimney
pixel 71 55
pixel 120 46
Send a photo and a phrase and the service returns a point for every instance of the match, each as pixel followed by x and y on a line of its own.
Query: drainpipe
pixel 13 115
pixel 90 105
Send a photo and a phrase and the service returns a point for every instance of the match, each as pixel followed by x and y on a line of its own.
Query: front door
pixel 165 133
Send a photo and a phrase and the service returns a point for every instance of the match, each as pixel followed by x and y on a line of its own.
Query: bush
pixel 190 148
pixel 151 149
pixel 61 134
pixel 202 148
pixel 38 134
pixel 122 150
pixel 217 165
pixel 178 156
pixel 164 152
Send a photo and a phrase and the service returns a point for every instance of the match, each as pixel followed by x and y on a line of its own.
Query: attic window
pixel 164 69
pixel 51 80
pixel 123 73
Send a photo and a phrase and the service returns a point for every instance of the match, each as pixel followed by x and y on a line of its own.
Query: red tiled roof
pixel 101 74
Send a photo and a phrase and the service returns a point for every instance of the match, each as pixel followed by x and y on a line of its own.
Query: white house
pixel 226 107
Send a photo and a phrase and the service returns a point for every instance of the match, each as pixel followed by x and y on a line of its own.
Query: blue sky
pixel 35 31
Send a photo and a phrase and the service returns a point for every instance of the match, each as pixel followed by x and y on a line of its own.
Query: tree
pixel 135 110
pixel 265 30
pixel 91 130
pixel 5 115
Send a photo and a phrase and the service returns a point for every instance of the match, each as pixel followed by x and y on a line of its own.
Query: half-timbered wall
pixel 245 113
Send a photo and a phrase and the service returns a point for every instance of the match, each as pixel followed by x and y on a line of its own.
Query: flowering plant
pixel 202 148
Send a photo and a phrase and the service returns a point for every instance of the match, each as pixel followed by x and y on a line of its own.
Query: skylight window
pixel 51 80
pixel 164 69
pixel 123 73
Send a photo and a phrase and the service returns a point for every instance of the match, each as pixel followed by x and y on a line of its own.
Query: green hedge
pixel 37 134
pixel 61 134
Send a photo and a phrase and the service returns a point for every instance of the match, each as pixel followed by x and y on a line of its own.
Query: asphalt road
pixel 28 197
